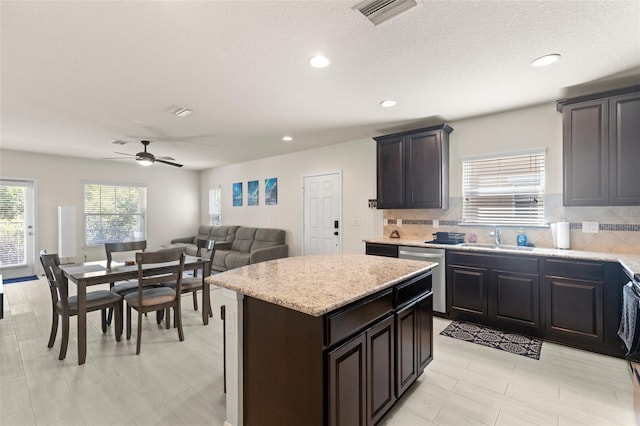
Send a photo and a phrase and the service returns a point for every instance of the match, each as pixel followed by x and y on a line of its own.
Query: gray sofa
pixel 237 245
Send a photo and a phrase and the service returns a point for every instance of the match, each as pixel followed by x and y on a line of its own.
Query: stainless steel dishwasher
pixel 439 272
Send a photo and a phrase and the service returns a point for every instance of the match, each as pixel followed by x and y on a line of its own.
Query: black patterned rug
pixel 485 336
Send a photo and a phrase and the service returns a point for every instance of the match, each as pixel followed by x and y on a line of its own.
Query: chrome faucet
pixel 496 236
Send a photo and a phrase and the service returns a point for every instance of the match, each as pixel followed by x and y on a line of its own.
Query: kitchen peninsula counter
pixel 289 320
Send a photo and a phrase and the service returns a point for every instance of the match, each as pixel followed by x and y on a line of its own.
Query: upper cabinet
pixel 413 169
pixel 601 148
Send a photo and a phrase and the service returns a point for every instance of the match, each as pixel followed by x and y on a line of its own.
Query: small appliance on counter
pixel 447 238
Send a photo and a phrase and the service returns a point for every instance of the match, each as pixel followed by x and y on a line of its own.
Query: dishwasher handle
pixel 415 255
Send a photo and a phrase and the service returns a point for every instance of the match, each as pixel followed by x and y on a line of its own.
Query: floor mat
pixel 485 336
pixel 19 280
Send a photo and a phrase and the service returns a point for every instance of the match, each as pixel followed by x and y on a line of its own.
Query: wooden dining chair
pixel 152 297
pixel 66 306
pixel 122 288
pixel 194 283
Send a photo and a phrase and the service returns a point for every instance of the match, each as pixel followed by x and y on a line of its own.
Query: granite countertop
pixel 318 284
pixel 630 262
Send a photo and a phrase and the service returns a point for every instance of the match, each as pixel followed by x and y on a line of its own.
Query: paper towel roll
pixel 564 235
pixel 554 234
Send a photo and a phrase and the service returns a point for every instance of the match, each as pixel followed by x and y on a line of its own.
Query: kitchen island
pixel 326 339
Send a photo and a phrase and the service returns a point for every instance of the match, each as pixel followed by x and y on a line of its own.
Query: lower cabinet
pixel 368 373
pixel 569 301
pixel 575 301
pixel 502 291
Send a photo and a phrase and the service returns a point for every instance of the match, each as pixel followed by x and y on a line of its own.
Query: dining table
pixel 87 274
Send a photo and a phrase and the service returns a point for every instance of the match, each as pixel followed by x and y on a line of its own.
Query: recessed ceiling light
pixel 319 61
pixel 287 138
pixel 545 60
pixel 388 103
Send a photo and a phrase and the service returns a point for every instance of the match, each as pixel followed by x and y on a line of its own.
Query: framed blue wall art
pixel 252 193
pixel 271 191
pixel 237 194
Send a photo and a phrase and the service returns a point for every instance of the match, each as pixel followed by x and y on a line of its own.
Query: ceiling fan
pixel 145 158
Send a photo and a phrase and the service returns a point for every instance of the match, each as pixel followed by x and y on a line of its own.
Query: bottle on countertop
pixel 521 239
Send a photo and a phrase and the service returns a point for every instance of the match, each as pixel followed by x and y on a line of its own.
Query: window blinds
pixel 114 213
pixel 504 190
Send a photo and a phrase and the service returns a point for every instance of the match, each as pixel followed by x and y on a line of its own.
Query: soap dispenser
pixel 521 239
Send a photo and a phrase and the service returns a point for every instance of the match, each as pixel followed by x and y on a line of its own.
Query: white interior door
pixel 322 223
pixel 17 233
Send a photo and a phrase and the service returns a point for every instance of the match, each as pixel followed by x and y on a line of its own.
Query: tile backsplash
pixel 618 226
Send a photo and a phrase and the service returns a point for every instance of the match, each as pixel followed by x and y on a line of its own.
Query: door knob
pixel 335 233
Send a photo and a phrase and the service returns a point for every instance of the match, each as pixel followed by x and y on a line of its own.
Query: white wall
pixel 173 195
pixel 535 127
pixel 356 160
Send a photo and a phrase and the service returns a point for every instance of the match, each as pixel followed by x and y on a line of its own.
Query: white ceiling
pixel 76 75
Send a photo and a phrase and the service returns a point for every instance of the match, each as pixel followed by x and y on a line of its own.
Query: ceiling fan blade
pixel 116 158
pixel 166 158
pixel 124 153
pixel 168 162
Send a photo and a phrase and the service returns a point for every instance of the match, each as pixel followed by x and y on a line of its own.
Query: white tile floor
pixel 180 383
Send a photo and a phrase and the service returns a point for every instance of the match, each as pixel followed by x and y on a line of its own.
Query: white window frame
pixel 215 208
pixel 139 233
pixel 505 189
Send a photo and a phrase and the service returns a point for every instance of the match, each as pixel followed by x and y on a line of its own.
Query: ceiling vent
pixel 118 142
pixel 379 11
pixel 178 110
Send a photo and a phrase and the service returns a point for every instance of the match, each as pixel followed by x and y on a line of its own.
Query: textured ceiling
pixel 76 75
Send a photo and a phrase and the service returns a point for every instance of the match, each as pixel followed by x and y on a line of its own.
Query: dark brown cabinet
pixel 413 169
pixel 414 347
pixel 498 290
pixel 347 383
pixel 601 135
pixel 574 291
pixel 368 373
pixel 386 250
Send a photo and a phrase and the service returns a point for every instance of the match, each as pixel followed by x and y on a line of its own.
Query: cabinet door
pixel 467 292
pixel 586 153
pixel 381 392
pixel 406 348
pixel 347 383
pixel 624 144
pixel 426 180
pixel 424 307
pixel 391 189
pixel 514 300
pixel 574 310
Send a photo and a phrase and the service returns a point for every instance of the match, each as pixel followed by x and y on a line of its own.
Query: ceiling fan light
pixel 144 162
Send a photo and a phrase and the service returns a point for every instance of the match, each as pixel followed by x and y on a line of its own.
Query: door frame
pixel 31 267
pixel 302 201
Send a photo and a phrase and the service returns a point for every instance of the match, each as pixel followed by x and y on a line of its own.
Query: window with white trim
pixel 214 206
pixel 114 213
pixel 504 189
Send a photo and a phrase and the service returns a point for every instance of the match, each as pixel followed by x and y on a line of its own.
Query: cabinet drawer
pixel 349 320
pixel 386 250
pixel 516 263
pixel 575 268
pixel 412 290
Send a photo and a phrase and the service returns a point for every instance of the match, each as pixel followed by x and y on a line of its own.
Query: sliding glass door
pixel 17 233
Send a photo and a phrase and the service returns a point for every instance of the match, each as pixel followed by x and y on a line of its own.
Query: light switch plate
pixel 590 227
pixel 385 222
pixel 399 222
pixel 436 223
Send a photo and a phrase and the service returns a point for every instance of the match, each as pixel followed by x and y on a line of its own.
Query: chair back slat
pixel 58 284
pixel 120 247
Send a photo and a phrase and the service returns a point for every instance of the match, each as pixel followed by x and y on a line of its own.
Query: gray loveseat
pixel 237 245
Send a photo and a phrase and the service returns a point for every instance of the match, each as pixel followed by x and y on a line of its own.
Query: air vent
pixel 178 110
pixel 379 11
pixel 118 142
